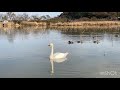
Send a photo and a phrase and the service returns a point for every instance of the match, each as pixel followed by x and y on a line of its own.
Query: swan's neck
pixel 51 51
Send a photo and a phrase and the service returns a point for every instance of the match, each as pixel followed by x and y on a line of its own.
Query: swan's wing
pixel 60 60
pixel 59 55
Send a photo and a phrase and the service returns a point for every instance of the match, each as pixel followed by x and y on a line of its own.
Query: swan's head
pixel 51 45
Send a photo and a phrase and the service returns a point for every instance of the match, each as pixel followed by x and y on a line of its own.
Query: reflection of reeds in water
pixel 34 27
pixel 86 27
pixel 84 33
pixel 22 32
pixel 94 35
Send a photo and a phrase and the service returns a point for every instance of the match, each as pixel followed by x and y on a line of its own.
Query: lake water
pixel 24 53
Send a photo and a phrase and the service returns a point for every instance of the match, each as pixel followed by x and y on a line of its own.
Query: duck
pixel 116 35
pixel 96 41
pixel 105 53
pixel 56 57
pixel 78 41
pixel 70 42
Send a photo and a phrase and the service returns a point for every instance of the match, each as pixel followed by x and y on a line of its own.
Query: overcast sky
pixel 51 14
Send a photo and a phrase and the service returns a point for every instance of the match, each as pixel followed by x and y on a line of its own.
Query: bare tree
pixel 14 16
pixel 25 16
pixel 48 17
pixel 4 17
pixel 43 18
pixel 10 15
pixel 35 17
pixel 19 17
pixel 1 16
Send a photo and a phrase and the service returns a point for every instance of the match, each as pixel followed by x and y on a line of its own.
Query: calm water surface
pixel 24 53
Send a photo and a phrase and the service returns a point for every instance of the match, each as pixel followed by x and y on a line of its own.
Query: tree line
pixel 63 17
pixel 11 16
pixel 90 15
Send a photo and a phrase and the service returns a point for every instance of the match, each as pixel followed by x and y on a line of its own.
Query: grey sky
pixel 52 14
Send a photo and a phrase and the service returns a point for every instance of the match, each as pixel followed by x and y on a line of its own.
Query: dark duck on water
pixel 70 42
pixel 80 41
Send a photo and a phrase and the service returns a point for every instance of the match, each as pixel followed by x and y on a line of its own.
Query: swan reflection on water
pixel 60 60
pixel 56 57
pixel 56 61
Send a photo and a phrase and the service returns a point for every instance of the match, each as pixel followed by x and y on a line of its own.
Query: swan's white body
pixel 56 57
pixel 60 60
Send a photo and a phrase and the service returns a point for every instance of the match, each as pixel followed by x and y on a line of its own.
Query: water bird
pixel 70 42
pixel 56 57
pixel 96 41
pixel 78 41
pixel 105 53
pixel 116 35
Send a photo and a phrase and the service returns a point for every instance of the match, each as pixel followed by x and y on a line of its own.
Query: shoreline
pixel 87 23
pixel 80 24
pixel 63 28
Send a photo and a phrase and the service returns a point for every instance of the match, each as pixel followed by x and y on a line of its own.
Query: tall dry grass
pixel 80 24
pixel 26 23
pixel 9 24
pixel 87 23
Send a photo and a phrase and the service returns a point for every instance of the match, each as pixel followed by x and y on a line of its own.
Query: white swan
pixel 56 57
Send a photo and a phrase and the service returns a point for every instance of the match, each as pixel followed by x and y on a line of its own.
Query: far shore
pixel 80 24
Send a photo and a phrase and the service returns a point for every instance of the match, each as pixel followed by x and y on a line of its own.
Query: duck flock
pixel 71 42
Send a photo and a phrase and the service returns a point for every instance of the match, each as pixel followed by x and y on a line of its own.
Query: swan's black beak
pixel 48 45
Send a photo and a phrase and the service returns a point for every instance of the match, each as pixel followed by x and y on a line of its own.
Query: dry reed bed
pixel 9 24
pixel 25 23
pixel 87 23
pixel 80 24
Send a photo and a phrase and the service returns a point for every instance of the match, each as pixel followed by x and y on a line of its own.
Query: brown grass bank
pixel 25 23
pixel 87 23
pixel 80 24
pixel 9 24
